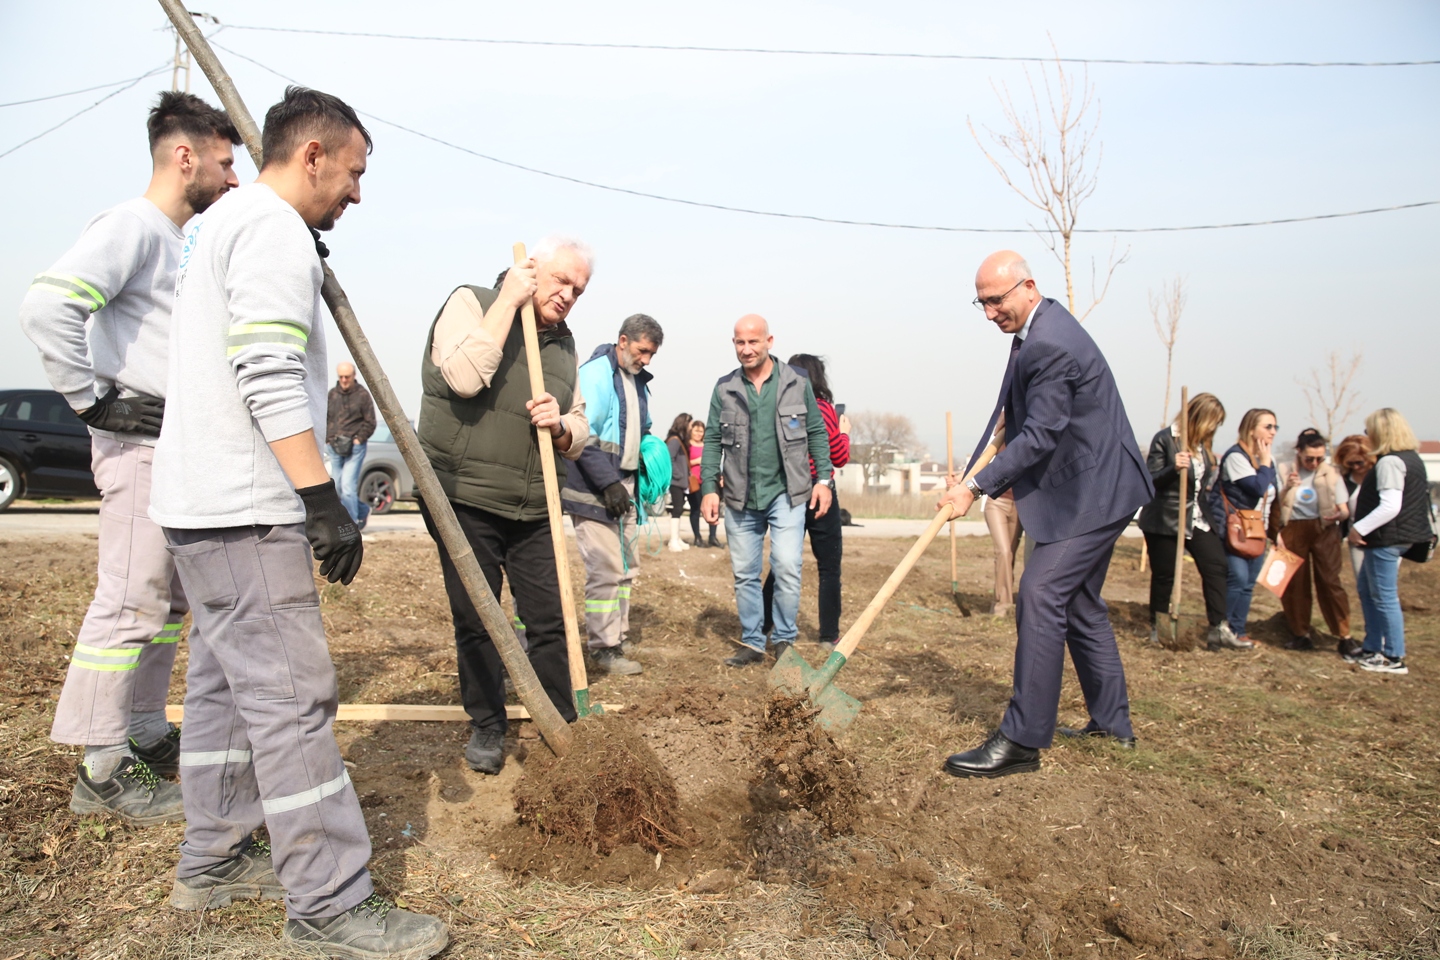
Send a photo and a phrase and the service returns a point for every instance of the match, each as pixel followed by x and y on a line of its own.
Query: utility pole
pixel 182 52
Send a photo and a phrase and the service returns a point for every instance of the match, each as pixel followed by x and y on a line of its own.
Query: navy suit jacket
pixel 1070 456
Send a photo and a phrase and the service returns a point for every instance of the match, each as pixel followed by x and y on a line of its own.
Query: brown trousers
pixel 1004 522
pixel 1319 545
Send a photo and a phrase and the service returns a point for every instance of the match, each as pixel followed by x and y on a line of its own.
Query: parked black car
pixel 44 448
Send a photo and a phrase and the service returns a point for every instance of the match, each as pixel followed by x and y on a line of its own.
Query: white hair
pixel 555 242
pixel 1019 270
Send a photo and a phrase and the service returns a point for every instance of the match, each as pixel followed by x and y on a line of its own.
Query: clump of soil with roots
pixel 804 767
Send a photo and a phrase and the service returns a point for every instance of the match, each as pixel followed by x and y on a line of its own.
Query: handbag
pixel 1244 529
pixel 1424 551
pixel 694 483
pixel 343 446
pixel 1279 567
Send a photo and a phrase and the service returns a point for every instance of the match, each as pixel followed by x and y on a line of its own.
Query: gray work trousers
pixel 610 567
pixel 126 646
pixel 260 701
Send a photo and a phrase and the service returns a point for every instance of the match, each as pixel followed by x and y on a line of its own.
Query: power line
pixel 86 110
pixel 71 93
pixel 835 220
pixel 993 58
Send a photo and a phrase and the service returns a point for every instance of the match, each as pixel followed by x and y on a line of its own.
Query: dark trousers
pixel 1320 544
pixel 693 496
pixel 1059 606
pixel 521 549
pixel 827 545
pixel 1209 554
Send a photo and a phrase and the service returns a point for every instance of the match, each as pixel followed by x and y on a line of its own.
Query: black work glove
pixel 139 414
pixel 617 500
pixel 332 533
pixel 320 247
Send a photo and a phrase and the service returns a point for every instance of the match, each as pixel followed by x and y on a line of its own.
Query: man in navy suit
pixel 1071 461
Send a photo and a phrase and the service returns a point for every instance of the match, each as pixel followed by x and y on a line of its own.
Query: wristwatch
pixel 974 488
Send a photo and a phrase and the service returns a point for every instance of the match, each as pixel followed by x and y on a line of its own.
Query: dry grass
pixel 901 506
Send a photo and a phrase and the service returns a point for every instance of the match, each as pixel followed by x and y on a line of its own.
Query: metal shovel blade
pixel 834 708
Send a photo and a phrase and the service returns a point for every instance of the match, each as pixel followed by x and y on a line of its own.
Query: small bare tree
pixel 1170 301
pixel 876 439
pixel 1053 148
pixel 1330 394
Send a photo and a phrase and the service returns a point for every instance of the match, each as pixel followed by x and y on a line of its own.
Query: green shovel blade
pixel 791 675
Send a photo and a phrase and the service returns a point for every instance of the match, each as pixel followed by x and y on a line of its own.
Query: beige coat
pixel 1325 481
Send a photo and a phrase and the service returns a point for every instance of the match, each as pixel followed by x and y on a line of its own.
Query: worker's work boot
pixel 374 928
pixel 612 660
pixel 162 756
pixel 133 793
pixel 247 876
pixel 486 751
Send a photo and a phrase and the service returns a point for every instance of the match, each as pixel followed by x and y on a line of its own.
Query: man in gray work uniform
pixel 242 493
pixel 101 318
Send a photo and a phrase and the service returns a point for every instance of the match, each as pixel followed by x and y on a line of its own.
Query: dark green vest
pixel 483 447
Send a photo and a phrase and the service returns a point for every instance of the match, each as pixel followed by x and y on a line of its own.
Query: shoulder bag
pixel 1244 529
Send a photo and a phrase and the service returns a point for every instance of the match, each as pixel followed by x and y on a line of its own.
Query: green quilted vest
pixel 483 447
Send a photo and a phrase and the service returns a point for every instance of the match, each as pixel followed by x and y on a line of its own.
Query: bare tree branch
pixel 1052 149
pixel 876 439
pixel 1330 394
pixel 1171 301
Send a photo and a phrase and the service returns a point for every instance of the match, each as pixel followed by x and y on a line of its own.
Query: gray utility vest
pixel 791 423
pixel 483 447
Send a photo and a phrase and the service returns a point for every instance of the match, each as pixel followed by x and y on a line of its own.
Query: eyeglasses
pixel 982 303
pixel 1355 465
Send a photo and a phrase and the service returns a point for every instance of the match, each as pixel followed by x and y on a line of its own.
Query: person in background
pixel 677 441
pixel 825 531
pixel 101 318
pixel 1354 460
pixel 1003 522
pixel 349 424
pixel 770 434
pixel 1313 500
pixel 1247 480
pixel 697 452
pixel 1158 520
pixel 1392 513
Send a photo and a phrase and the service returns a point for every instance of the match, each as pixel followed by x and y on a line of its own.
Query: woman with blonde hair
pixel 1247 482
pixel 1392 513
pixel 1159 520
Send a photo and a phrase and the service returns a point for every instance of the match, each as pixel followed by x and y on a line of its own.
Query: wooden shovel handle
pixel 851 640
pixel 1184 496
pixel 579 682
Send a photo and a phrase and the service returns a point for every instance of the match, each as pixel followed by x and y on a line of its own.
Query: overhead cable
pixel 71 93
pixel 113 93
pixel 818 219
pixel 692 48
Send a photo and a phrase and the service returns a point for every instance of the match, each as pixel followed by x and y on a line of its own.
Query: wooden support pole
pixel 175 712
pixel 552 726
pixel 950 468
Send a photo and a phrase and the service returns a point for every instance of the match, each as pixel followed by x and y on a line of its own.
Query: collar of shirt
pixel 1025 330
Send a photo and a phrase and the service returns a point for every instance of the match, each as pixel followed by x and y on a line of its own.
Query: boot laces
pixel 375 905
pixel 141 773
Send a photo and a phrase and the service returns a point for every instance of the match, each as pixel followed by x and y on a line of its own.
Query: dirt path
pixel 1281 804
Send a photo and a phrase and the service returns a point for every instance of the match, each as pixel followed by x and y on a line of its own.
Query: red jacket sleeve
pixel 839 442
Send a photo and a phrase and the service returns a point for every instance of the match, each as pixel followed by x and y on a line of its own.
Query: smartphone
pixel 840 409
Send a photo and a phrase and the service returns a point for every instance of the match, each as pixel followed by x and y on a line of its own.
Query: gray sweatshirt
pixel 247 366
pixel 101 314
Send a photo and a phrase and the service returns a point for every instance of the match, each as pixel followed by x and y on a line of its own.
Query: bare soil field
pixel 1281 804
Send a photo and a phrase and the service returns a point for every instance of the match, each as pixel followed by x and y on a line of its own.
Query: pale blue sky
pixel 842 137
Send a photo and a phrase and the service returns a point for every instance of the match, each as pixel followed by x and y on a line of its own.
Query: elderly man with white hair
pixel 477 426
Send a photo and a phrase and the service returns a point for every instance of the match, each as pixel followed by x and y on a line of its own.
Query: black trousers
pixel 1209 554
pixel 522 550
pixel 694 499
pixel 827 544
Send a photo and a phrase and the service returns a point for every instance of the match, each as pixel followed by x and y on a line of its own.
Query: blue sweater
pixel 1245 493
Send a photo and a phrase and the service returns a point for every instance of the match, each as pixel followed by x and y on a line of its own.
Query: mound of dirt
pixel 804 767
pixel 611 791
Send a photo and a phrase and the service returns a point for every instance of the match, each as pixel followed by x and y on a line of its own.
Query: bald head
pixel 752 344
pixel 345 374
pixel 1006 291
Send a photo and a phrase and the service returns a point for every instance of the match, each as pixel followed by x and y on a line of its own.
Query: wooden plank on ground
pixel 175 712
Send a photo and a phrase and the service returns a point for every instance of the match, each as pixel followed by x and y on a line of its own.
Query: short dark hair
pixel 185 113
pixel 1310 437
pixel 641 326
pixel 304 115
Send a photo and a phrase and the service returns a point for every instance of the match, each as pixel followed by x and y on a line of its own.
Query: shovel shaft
pixel 552 726
pixel 579 682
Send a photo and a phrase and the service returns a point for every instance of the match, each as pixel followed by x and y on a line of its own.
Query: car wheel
pixel 378 489
pixel 9 483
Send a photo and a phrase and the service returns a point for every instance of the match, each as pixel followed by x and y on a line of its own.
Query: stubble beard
pixel 200 194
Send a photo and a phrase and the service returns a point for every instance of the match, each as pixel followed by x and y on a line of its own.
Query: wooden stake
pixel 175 712
pixel 552 726
pixel 1180 520
pixel 579 682
pixel 950 468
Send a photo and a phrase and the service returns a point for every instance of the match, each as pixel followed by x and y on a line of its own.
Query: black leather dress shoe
pixel 1127 743
pixel 996 757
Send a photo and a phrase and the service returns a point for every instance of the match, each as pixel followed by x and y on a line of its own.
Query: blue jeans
pixel 345 471
pixel 1378 584
pixel 1240 574
pixel 745 531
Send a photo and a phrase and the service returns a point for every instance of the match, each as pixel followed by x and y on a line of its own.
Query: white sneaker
pixel 1379 663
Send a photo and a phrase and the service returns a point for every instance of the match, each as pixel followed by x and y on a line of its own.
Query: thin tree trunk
pixel 1169 365
pixel 1069 280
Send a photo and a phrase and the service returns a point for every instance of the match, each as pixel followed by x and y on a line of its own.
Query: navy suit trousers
pixel 1059 605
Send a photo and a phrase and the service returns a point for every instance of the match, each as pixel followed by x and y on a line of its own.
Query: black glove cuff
pixel 319 493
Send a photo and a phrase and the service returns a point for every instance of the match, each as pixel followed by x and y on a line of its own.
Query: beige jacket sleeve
pixel 468 358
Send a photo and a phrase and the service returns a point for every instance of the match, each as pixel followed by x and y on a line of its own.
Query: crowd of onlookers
pixel 1370 492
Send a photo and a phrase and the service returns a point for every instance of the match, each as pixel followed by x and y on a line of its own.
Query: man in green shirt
pixel 766 430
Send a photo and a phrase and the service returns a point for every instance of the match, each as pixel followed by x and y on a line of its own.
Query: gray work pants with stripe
pixel 260 702
pixel 126 645
pixel 610 568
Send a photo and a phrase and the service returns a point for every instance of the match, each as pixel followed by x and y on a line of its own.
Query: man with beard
pixel 119 278
pixel 243 496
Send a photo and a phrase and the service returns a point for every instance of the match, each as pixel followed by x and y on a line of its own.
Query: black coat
pixel 1159 515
